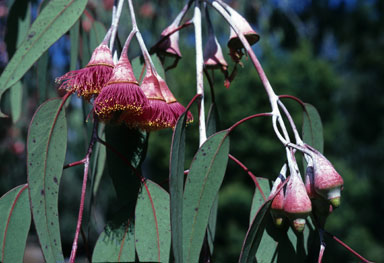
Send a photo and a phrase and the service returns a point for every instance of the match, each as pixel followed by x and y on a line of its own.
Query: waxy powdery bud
pixel 122 93
pixel 158 114
pixel 234 41
pixel 168 45
pixel 213 55
pixel 327 181
pixel 89 81
pixel 277 206
pixel 297 204
pixel 176 108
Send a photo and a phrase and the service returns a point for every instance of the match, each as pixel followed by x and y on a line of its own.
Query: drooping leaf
pixel 313 128
pixel 124 157
pixel 74 36
pixel 47 143
pixel 254 234
pixel 212 119
pixel 211 230
pixel 56 19
pixel 258 199
pixel 42 68
pixel 15 221
pixel 115 244
pixel 86 52
pixel 212 124
pixel 176 185
pixel 152 228
pixel 99 159
pixel 202 185
pixel 16 97
pixel 96 35
pixel 18 22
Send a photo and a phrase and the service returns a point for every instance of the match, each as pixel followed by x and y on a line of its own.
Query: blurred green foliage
pixel 327 53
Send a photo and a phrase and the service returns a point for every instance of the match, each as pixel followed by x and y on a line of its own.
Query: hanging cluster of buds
pixel 319 195
pixel 118 97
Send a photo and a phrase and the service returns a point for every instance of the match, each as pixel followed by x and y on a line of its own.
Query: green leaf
pixel 56 19
pixel 212 124
pixel 152 229
pixel 99 159
pixel 15 221
pixel 47 143
pixel 74 36
pixel 115 244
pixel 18 22
pixel 86 51
pixel 254 234
pixel 176 184
pixel 126 151
pixel 202 185
pixel 96 35
pixel 211 230
pixel 258 198
pixel 212 119
pixel 42 68
pixel 313 128
pixel 16 97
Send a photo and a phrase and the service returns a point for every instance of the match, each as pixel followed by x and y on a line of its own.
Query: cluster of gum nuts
pixel 319 195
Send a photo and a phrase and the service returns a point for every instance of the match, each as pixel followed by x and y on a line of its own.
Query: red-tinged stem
pixel 83 191
pixel 293 98
pixel 197 96
pixel 186 172
pixel 253 177
pixel 321 253
pixel 80 217
pixel 74 164
pixel 348 248
pixel 248 118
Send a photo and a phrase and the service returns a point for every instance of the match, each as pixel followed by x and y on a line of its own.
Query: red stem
pixel 347 247
pixel 248 118
pixel 253 177
pixel 293 98
pixel 80 217
pixel 74 164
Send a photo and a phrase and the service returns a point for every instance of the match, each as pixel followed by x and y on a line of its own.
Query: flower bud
pixel 327 181
pixel 213 55
pixel 297 204
pixel 277 206
pixel 251 35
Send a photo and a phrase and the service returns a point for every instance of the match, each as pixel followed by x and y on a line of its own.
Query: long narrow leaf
pixel 258 199
pixel 74 35
pixel 202 185
pixel 313 128
pixel 15 221
pixel 96 35
pixel 47 142
pixel 56 19
pixel 254 234
pixel 176 184
pixel 152 227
